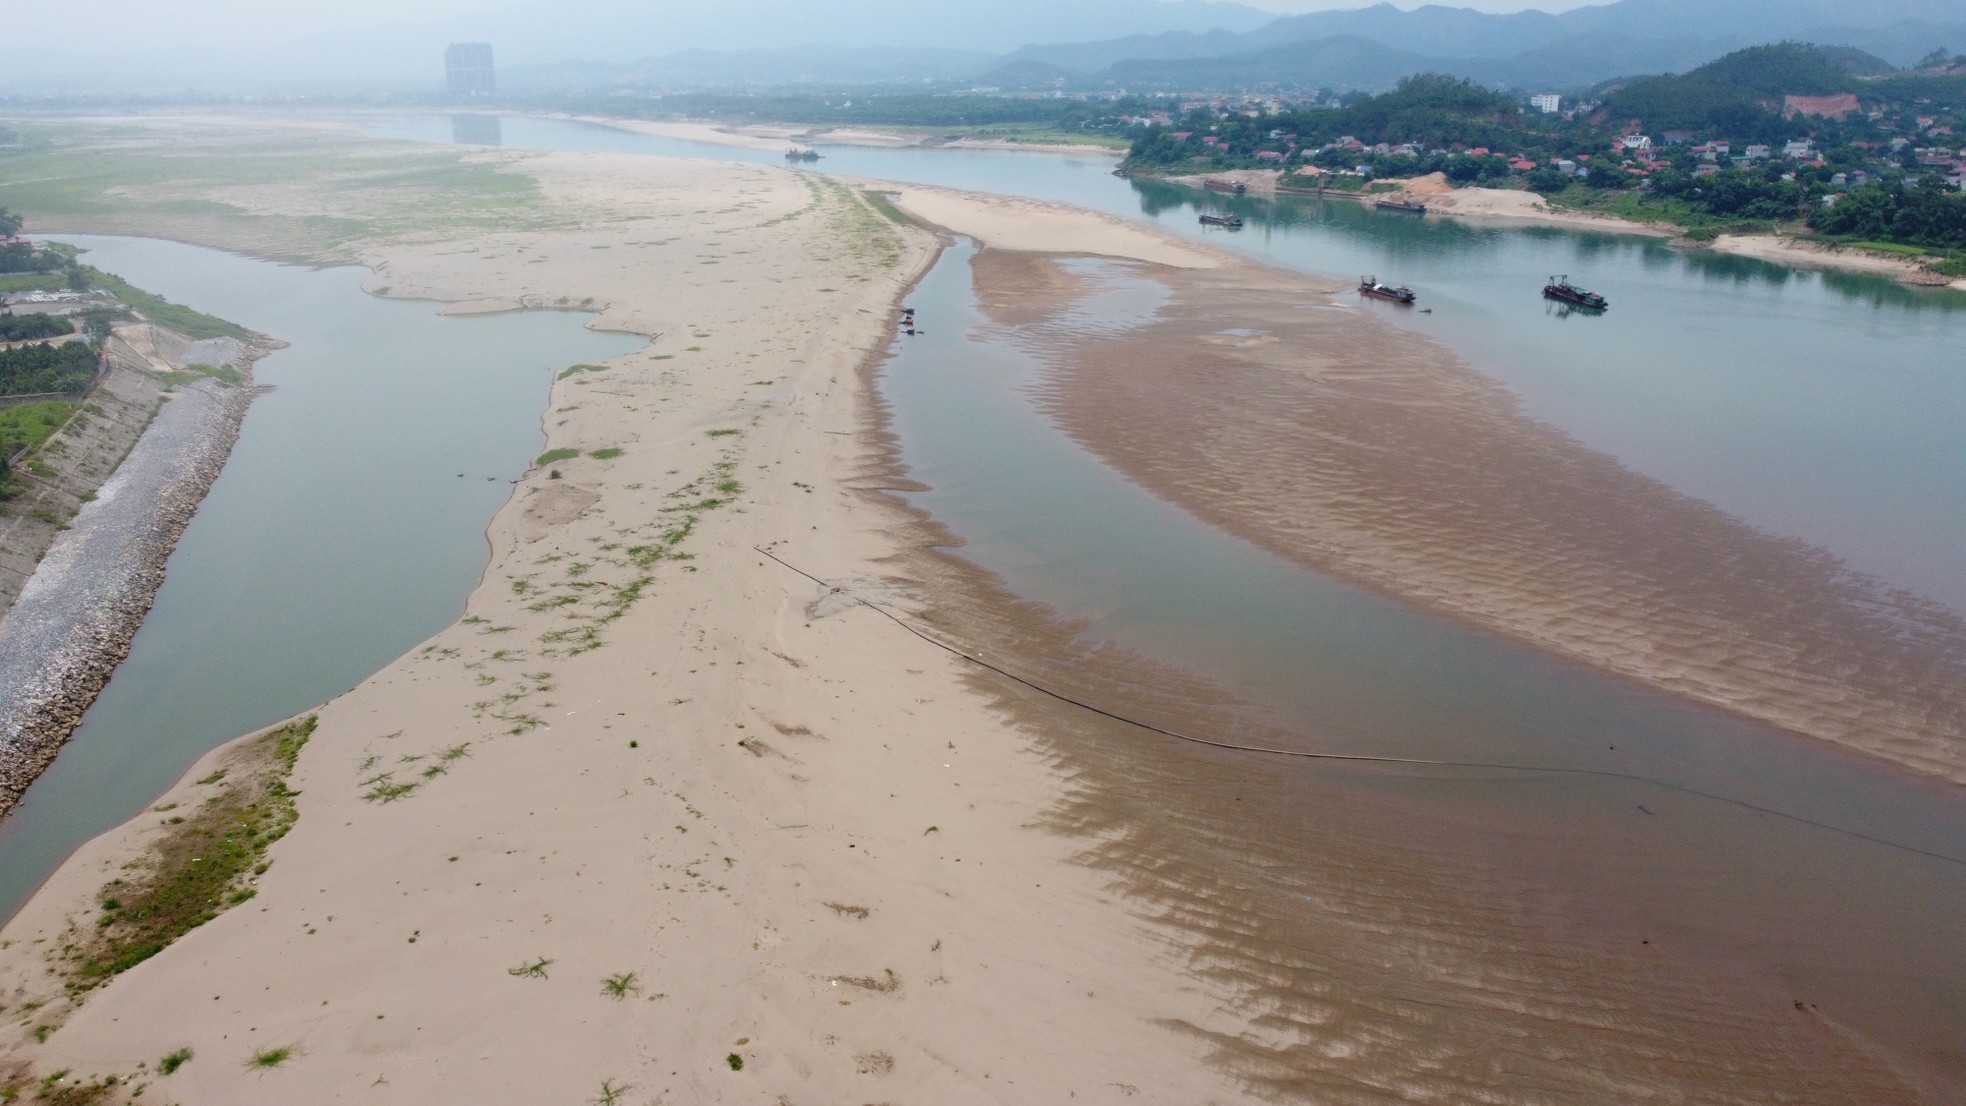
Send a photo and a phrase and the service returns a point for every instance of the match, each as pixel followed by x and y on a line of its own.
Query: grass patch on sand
pixel 268 1059
pixel 191 374
pixel 1898 248
pixel 608 453
pixel 203 866
pixel 884 204
pixel 578 369
pixel 555 456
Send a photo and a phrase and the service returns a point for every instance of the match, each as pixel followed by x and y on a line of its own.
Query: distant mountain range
pixel 599 46
pixel 1367 48
pixel 1371 48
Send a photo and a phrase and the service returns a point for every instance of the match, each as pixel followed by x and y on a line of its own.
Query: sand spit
pixel 1387 461
pixel 812 867
pixel 74 620
pixel 1828 255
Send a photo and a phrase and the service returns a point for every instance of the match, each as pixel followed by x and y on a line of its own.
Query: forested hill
pixel 1741 94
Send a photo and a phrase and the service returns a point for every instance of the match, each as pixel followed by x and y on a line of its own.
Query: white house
pixel 1549 103
pixel 1637 142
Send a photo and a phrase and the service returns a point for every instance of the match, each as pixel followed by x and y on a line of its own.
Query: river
pixel 1821 406
pixel 348 524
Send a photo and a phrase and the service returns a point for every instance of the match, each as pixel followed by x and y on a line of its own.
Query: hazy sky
pixel 124 24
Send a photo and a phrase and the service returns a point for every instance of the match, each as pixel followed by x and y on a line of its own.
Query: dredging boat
pixel 1370 286
pixel 1560 288
pixel 1406 206
pixel 1233 187
pixel 1233 222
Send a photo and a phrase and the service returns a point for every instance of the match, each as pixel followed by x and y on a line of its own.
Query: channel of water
pixel 348 524
pixel 1789 860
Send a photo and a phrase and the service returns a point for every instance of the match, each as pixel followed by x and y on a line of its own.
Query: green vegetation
pixel 27 328
pixel 184 320
pixel 106 176
pixel 32 282
pixel 191 374
pixel 532 969
pixel 577 369
pixel 172 1061
pixel 1924 215
pixel 203 866
pixel 29 424
pixel 32 370
pixel 735 1061
pixel 618 987
pixel 883 204
pixel 606 453
pixel 553 456
pixel 271 1058
pixel 1730 94
pixel 1431 112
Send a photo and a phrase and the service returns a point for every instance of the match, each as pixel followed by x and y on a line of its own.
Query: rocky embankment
pixel 76 616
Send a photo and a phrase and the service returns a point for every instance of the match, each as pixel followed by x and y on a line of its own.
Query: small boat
pixel 1370 286
pixel 1233 187
pixel 1233 222
pixel 1401 205
pixel 801 155
pixel 1560 288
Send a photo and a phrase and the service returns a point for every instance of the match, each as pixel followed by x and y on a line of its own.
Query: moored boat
pixel 1233 222
pixel 1560 288
pixel 1407 206
pixel 1370 286
pixel 1214 184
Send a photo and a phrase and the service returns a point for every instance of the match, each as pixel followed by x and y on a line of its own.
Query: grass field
pixel 29 424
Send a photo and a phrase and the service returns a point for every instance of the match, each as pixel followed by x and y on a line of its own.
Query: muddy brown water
pixel 1656 901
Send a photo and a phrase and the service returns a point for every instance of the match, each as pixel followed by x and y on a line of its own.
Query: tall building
pixel 1546 102
pixel 469 67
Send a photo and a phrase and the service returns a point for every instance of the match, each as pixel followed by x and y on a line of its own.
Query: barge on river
pixel 1233 222
pixel 1559 288
pixel 1370 286
pixel 1401 205
pixel 1233 187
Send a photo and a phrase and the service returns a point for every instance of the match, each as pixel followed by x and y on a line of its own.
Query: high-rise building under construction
pixel 469 67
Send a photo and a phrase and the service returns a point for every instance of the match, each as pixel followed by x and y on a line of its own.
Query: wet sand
pixel 1403 933
pixel 1315 431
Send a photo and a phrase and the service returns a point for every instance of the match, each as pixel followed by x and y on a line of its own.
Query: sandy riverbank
pixel 648 751
pixel 1823 255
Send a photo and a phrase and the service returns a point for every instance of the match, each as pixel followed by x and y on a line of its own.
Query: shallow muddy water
pixel 1800 866
pixel 347 526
